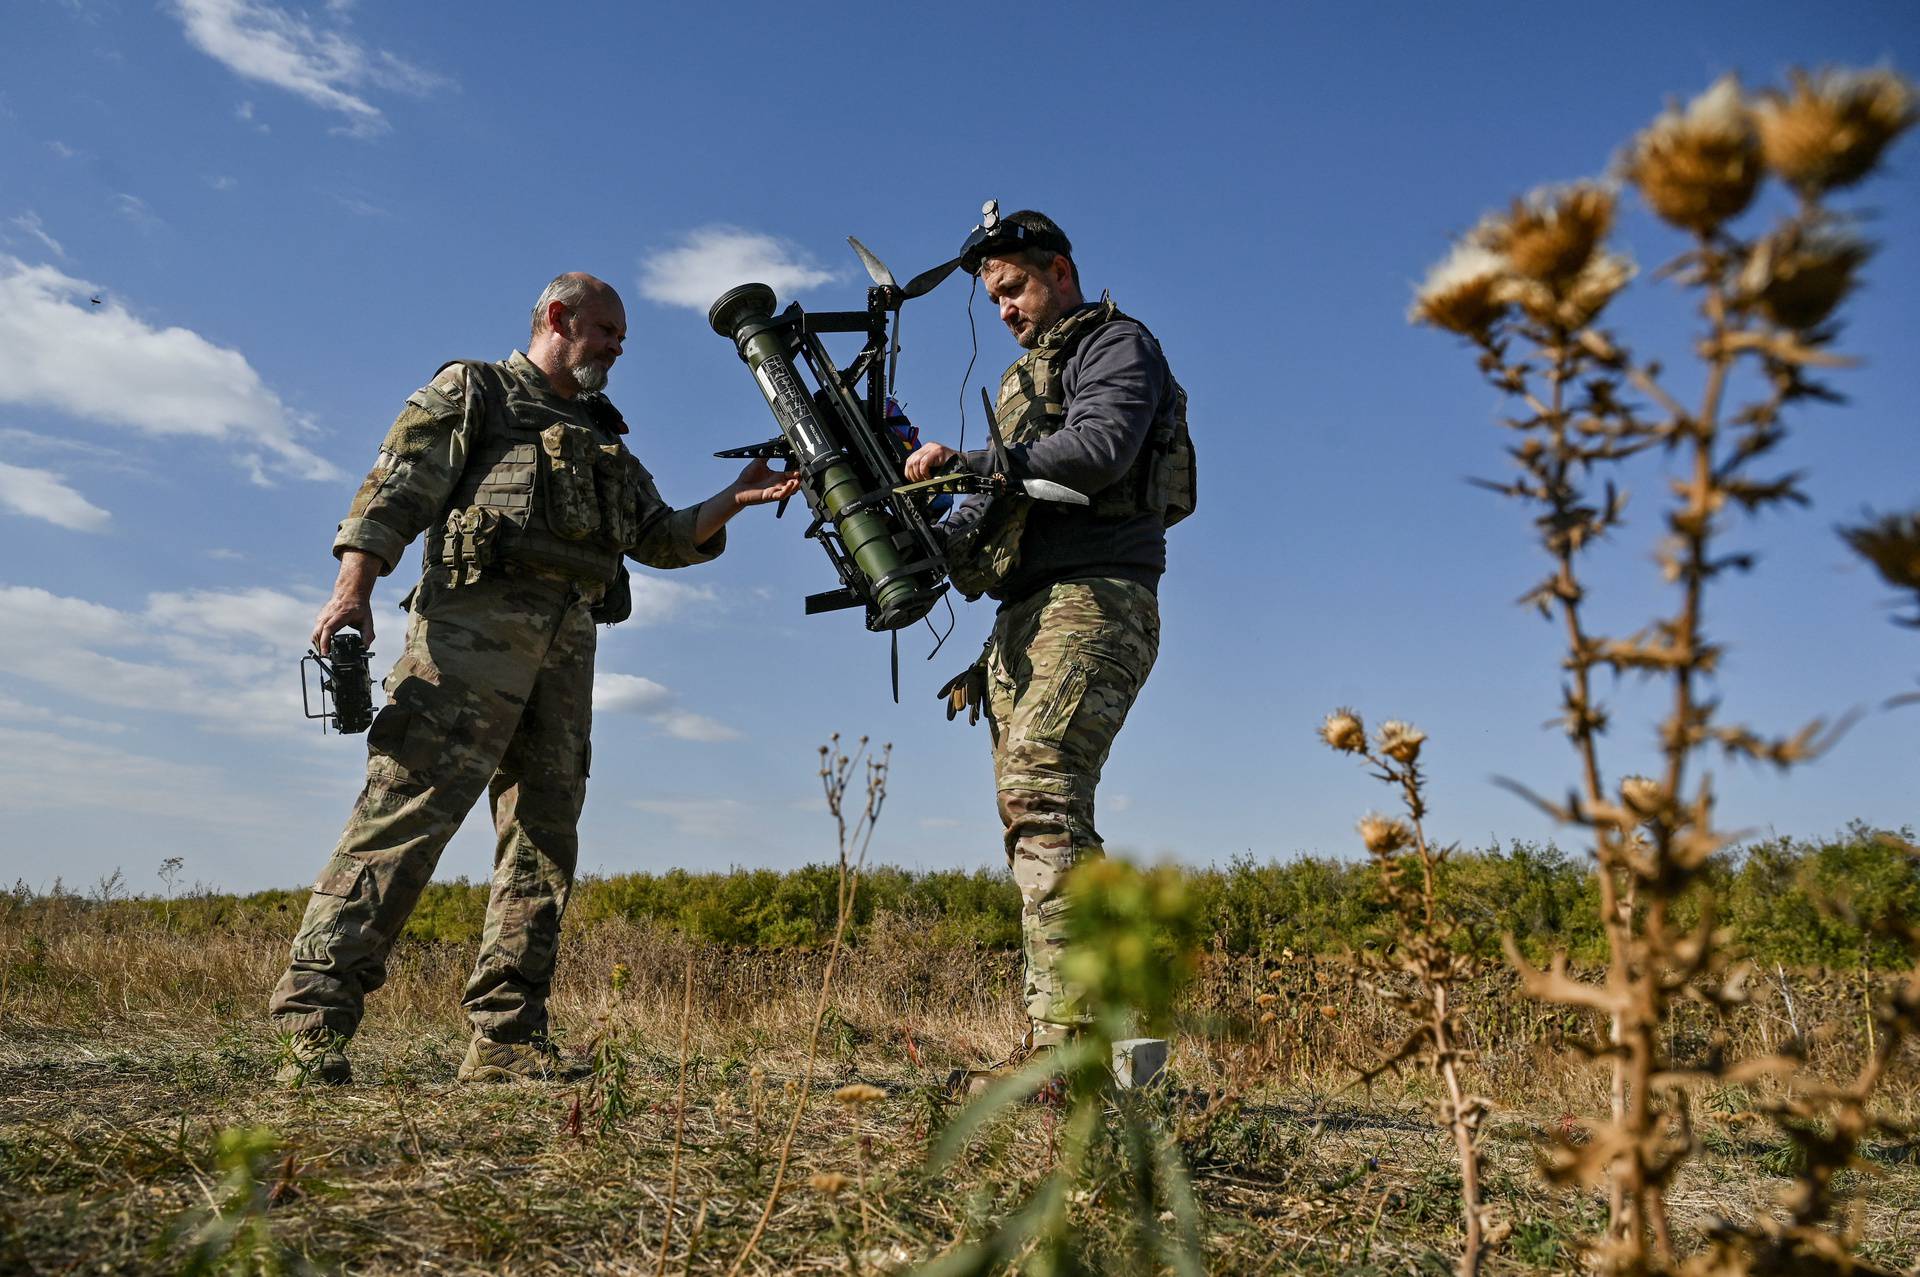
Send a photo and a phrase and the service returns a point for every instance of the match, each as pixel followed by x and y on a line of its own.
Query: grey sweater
pixel 1117 385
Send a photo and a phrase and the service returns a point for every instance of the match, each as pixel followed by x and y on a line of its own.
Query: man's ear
pixel 557 317
pixel 1062 273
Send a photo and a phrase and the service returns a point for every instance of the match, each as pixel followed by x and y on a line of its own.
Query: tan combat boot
pixel 534 1061
pixel 314 1057
pixel 966 1084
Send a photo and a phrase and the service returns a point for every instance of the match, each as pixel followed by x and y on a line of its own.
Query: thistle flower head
pixel 1699 166
pixel 1892 545
pixel 859 1093
pixel 1344 731
pixel 1462 292
pixel 1831 129
pixel 1384 835
pixel 1575 303
pixel 1798 274
pixel 1643 795
pixel 1401 741
pixel 1550 234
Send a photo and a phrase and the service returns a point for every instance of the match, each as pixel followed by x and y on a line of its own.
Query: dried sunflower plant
pixel 1528 288
pixel 1424 947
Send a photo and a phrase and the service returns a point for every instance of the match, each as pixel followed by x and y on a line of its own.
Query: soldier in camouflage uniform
pixel 529 499
pixel 1092 405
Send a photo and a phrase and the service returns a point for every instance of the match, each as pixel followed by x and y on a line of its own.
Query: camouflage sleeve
pixel 666 534
pixel 422 455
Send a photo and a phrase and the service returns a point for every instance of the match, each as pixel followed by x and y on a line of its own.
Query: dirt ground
pixel 140 1130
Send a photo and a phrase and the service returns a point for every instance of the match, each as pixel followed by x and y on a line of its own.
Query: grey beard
pixel 589 377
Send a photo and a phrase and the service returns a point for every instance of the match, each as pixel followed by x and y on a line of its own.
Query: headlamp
pixel 996 236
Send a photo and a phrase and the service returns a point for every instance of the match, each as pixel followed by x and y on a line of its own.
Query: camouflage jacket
pixel 441 441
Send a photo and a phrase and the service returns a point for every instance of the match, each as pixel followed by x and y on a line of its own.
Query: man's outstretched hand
pixel 760 483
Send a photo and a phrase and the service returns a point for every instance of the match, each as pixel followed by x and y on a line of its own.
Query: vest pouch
pixel 470 545
pixel 980 558
pixel 1173 484
pixel 572 501
pixel 616 476
pixel 1176 494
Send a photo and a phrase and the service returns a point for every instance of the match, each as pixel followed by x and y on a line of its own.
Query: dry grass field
pixel 140 1130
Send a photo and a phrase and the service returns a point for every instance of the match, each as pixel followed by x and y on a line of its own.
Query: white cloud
pixel 43 494
pixel 720 819
pixel 632 694
pixel 322 64
pixel 712 259
pixel 136 210
pixel 628 694
pixel 658 598
pixel 58 350
pixel 18 711
pixel 359 207
pixel 224 658
pixel 688 726
pixel 53 773
pixel 61 150
pixel 223 183
pixel 29 222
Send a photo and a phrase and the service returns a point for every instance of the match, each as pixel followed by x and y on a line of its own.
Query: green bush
pixel 1797 902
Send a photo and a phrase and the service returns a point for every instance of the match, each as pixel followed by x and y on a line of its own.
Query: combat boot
pixel 967 1084
pixel 314 1057
pixel 537 1060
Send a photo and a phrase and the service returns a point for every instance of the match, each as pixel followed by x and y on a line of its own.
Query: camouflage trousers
pixel 1063 668
pixel 493 694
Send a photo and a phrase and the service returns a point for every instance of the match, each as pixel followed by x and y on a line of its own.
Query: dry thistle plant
pixel 853 833
pixel 1891 544
pixel 1827 1124
pixel 1423 947
pixel 1527 287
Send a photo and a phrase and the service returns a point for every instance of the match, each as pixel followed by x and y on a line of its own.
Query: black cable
pixel 974 335
pixel 939 639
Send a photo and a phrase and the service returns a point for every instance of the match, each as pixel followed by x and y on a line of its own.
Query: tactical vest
pixel 539 489
pixel 1032 405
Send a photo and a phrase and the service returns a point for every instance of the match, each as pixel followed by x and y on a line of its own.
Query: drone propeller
pixel 876 268
pixel 928 280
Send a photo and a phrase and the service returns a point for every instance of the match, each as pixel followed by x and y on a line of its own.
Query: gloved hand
pixel 966 690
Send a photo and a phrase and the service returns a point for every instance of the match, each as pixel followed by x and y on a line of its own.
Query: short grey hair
pixel 569 290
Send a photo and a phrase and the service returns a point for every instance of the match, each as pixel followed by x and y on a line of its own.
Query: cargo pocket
pixel 1051 915
pixel 1052 720
pixel 404 748
pixel 328 911
pixel 572 503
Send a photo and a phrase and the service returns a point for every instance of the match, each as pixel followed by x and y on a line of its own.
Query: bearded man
pixel 1092 405
pixel 518 475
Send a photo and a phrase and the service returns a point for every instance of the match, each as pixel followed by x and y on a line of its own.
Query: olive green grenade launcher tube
pixel 742 314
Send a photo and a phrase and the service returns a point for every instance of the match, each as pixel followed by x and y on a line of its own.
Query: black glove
pixel 966 690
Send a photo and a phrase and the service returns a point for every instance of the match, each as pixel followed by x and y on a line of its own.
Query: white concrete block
pixel 1139 1061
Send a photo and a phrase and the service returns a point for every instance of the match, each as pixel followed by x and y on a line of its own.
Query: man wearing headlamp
pixel 1092 405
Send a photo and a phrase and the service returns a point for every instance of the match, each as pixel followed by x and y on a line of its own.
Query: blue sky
pixel 293 214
